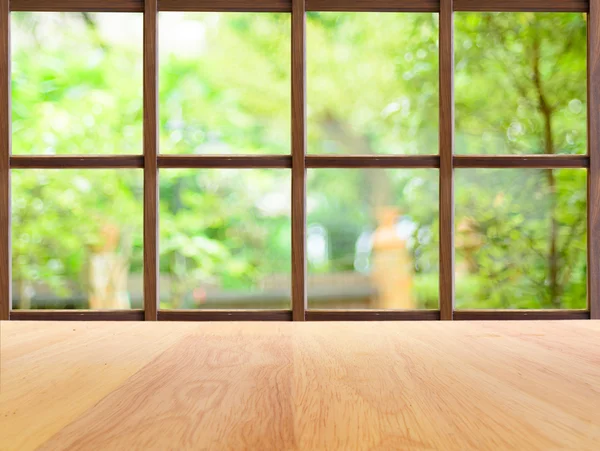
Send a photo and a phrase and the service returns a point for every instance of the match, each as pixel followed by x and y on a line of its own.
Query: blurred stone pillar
pixel 392 268
pixel 108 273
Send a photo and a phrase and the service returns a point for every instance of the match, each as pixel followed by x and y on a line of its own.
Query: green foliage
pixel 372 88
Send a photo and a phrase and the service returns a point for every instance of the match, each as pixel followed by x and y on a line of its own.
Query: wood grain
pixel 299 297
pixel 422 385
pixel 87 367
pixel 521 161
pixel 77 315
pixel 446 142
pixel 151 266
pixel 372 161
pixel 5 132
pixel 76 161
pixel 225 161
pixel 593 203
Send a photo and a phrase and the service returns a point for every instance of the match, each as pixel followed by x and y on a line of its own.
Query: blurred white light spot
pixel 575 106
pixel 317 249
pixel 82 184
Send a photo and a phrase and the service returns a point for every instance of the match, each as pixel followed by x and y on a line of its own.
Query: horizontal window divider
pixel 76 161
pixel 372 161
pixel 286 315
pixel 372 315
pixel 311 5
pixel 77 315
pixel 493 315
pixel 131 6
pixel 225 161
pixel 224 315
pixel 522 5
pixel 285 161
pixel 272 6
pixel 521 161
pixel 414 6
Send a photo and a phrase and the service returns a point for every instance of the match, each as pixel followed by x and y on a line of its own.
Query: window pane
pixel 520 83
pixel 372 83
pixel 520 238
pixel 372 238
pixel 225 238
pixel 224 83
pixel 77 239
pixel 76 83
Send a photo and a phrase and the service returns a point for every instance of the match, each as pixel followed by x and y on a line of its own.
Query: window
pixel 520 238
pixel 76 83
pixel 224 83
pixel 225 238
pixel 72 246
pixel 372 238
pixel 361 68
pixel 299 161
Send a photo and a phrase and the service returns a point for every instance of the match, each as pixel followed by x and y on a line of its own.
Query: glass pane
pixel 224 83
pixel 520 83
pixel 372 83
pixel 372 238
pixel 77 239
pixel 520 238
pixel 225 238
pixel 76 83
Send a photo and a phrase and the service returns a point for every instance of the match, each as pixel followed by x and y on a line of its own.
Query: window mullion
pixel 5 246
pixel 299 300
pixel 151 296
pixel 446 197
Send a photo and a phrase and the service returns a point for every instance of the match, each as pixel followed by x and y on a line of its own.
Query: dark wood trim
pixel 298 161
pixel 77 315
pixel 521 161
pixel 5 132
pixel 593 201
pixel 522 5
pixel 497 315
pixel 374 5
pixel 372 161
pixel 76 161
pixel 285 161
pixel 311 5
pixel 286 315
pixel 299 297
pixel 224 315
pixel 164 5
pixel 446 175
pixel 224 161
pixel 372 315
pixel 226 5
pixel 78 5
pixel 151 295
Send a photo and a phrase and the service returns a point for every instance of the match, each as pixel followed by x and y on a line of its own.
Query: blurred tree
pixel 372 88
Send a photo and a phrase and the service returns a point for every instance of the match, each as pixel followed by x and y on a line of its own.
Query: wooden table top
pixel 315 386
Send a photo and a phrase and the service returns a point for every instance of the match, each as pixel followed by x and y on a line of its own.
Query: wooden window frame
pixel 298 161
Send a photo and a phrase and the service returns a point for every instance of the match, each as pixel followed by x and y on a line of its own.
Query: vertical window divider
pixel 299 273
pixel 151 296
pixel 446 149
pixel 5 247
pixel 593 201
